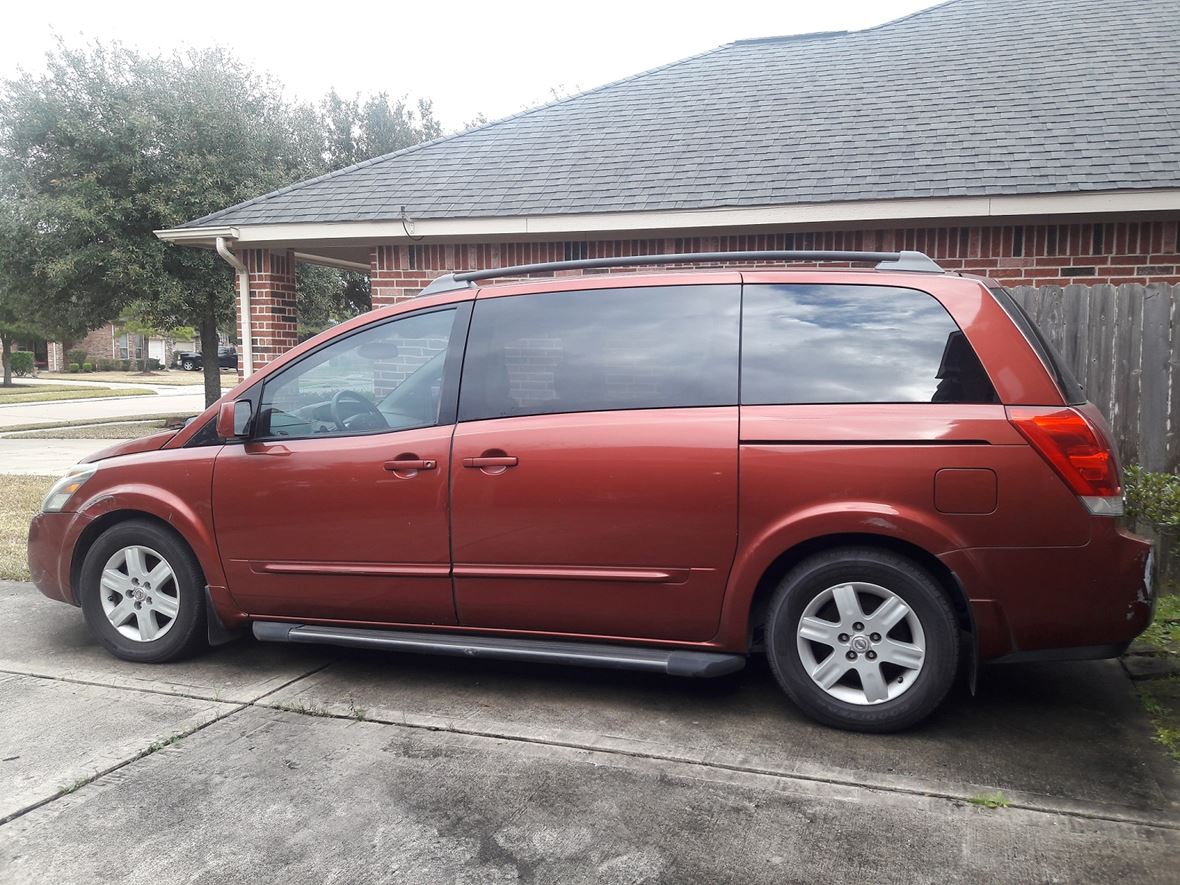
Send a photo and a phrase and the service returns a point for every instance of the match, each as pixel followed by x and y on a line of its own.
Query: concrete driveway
pixel 280 763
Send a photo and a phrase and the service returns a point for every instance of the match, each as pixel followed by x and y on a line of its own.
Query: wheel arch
pixel 946 580
pixel 99 525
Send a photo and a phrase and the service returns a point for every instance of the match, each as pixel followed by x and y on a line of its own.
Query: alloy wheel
pixel 139 593
pixel 861 643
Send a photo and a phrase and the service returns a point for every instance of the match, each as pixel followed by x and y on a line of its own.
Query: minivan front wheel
pixel 142 593
pixel 862 639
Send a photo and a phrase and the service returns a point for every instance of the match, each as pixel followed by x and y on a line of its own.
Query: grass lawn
pixel 39 393
pixel 119 430
pixel 173 378
pixel 1161 697
pixel 19 502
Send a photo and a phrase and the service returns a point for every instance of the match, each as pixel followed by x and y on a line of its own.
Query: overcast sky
pixel 494 58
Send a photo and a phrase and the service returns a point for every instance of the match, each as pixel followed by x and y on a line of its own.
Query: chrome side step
pixel 673 662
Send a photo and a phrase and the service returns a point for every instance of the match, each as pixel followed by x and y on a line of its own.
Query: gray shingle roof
pixel 971 97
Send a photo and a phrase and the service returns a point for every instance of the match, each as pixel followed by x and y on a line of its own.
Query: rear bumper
pixel 1058 602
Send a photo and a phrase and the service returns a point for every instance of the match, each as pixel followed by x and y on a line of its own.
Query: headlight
pixel 65 487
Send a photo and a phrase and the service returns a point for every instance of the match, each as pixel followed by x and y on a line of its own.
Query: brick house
pixel 1032 142
pixel 108 342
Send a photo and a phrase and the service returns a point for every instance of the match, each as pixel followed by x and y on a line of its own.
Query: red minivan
pixel 874 476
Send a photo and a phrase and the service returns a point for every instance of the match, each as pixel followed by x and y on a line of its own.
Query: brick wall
pixel 1031 254
pixel 99 344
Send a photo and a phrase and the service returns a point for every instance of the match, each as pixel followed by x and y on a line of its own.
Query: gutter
pixel 244 301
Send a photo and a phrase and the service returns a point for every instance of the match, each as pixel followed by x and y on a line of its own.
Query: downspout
pixel 244 302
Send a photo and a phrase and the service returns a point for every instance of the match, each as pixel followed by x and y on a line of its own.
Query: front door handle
pixel 400 465
pixel 491 461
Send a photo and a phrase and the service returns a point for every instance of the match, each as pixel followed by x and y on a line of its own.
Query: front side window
pixel 854 344
pixel 385 377
pixel 601 350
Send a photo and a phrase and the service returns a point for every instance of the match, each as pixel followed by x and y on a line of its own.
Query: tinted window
pixel 601 349
pixel 385 377
pixel 854 344
pixel 1067 382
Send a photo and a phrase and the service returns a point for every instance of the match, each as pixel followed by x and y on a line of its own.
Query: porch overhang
pixel 348 241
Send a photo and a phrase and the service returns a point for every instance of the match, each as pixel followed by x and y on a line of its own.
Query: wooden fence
pixel 1123 343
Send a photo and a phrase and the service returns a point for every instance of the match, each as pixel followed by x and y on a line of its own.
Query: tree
pixel 16 305
pixel 109 144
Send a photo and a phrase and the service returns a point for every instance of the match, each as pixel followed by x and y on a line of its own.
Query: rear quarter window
pixel 1071 389
pixel 854 344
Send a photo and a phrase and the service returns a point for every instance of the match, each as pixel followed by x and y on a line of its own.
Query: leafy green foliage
pixel 990 800
pixel 22 363
pixel 1153 497
pixel 109 145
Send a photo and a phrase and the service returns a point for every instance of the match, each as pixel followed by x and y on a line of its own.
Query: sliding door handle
pixel 491 461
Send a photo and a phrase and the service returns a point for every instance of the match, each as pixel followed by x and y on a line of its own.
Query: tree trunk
pixel 6 353
pixel 212 371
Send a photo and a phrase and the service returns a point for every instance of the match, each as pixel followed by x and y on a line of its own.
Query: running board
pixel 673 662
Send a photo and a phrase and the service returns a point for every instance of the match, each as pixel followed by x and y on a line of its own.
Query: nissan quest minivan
pixel 875 477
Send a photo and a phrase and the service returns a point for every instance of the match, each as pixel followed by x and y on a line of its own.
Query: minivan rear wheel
pixel 862 639
pixel 143 593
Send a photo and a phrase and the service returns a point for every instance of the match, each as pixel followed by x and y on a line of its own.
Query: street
pixel 305 764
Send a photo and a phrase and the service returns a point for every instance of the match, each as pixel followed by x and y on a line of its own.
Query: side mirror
pixel 233 419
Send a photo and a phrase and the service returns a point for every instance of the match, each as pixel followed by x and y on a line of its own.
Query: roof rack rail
pixel 914 262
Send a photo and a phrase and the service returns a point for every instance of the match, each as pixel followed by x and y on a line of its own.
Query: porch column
pixel 395 274
pixel 272 303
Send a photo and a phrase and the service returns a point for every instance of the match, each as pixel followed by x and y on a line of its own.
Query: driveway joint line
pixel 260 702
pixel 142 754
pixel 238 706
pixel 721 766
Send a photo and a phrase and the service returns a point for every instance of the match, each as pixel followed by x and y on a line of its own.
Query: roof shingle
pixel 973 97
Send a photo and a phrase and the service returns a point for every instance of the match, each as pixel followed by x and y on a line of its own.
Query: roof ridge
pixel 400 152
pixel 816 35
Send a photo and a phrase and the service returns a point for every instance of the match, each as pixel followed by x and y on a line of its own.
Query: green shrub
pixel 87 367
pixel 77 356
pixel 104 365
pixel 1153 498
pixel 125 365
pixel 153 364
pixel 74 367
pixel 22 363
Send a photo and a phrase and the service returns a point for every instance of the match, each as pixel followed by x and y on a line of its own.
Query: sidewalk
pixel 168 401
pixel 116 385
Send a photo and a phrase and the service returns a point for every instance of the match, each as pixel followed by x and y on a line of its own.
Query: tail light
pixel 1077 450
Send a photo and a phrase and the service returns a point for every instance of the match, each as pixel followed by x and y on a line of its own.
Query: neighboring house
pixel 111 342
pixel 1038 143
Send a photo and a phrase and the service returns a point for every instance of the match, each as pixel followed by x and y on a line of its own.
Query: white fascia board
pixel 931 209
pixel 184 235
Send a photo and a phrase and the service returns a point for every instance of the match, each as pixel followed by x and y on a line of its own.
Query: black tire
pixel 185 634
pixel 189 365
pixel 902 577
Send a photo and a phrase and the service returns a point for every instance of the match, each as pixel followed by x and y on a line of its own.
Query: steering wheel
pixel 352 396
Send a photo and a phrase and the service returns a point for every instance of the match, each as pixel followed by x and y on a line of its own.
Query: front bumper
pixel 51 543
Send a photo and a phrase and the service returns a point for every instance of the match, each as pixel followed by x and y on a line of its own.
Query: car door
pixel 336 506
pixel 594 471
